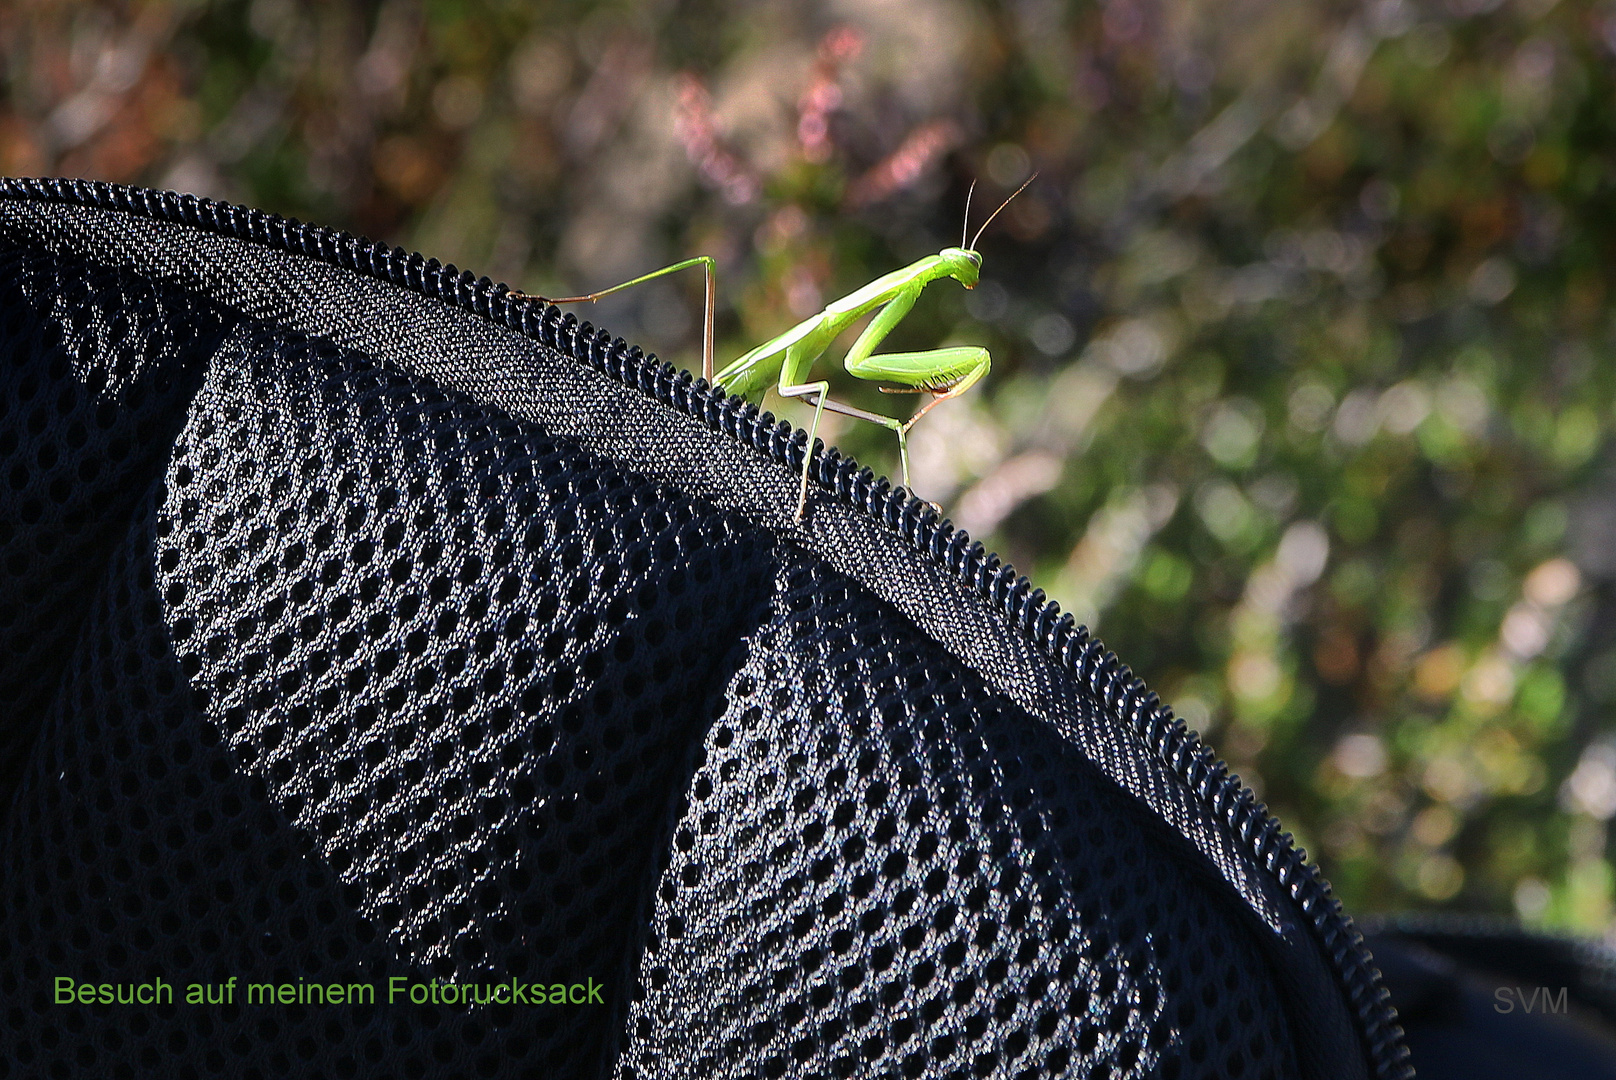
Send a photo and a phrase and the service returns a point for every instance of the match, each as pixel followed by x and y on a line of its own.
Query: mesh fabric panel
pixel 97 367
pixel 886 868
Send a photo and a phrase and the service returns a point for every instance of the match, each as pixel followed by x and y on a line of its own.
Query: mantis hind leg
pixel 709 272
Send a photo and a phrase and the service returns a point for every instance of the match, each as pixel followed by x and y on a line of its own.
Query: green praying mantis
pixel 785 361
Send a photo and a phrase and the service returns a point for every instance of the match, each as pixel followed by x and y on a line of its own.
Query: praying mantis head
pixel 964 263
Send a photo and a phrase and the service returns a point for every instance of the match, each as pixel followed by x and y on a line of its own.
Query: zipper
pixel 1086 659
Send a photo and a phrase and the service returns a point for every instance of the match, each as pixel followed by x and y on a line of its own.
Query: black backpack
pixel 363 625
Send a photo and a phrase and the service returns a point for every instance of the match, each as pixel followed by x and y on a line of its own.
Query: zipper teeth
pixel 1107 678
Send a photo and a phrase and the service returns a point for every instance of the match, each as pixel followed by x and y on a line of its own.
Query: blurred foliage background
pixel 1302 397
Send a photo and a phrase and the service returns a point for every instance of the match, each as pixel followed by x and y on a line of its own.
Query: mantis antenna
pixel 966 224
pixel 989 221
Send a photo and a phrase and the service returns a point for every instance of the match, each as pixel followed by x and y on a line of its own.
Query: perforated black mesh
pixel 884 869
pixel 97 366
pixel 320 671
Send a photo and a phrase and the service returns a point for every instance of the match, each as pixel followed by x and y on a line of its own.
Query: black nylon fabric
pixel 328 659
pixel 1481 999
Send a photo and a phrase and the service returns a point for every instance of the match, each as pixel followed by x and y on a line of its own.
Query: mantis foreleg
pixel 800 357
